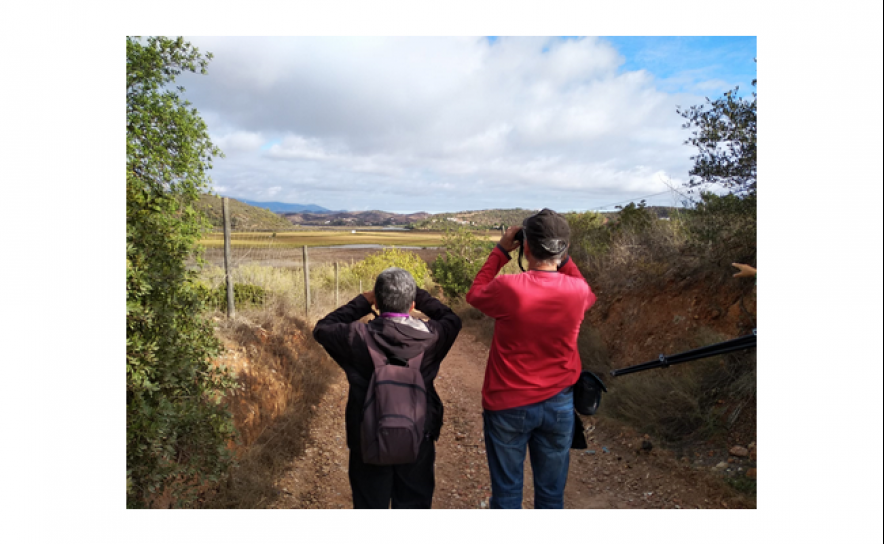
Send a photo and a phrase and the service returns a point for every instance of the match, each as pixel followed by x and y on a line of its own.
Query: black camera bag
pixel 588 393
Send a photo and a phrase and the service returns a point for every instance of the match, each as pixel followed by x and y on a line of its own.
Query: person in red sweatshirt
pixel 533 362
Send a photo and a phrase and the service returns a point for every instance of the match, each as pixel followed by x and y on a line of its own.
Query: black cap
pixel 548 229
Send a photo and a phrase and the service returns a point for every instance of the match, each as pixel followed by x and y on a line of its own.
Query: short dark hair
pixel 394 290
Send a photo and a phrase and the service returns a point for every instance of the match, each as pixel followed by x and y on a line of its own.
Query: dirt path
pixel 614 472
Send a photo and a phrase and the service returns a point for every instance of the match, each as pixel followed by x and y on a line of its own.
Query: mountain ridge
pixel 285 207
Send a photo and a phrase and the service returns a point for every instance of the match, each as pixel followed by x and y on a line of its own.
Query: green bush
pixel 590 237
pixel 617 252
pixel 368 269
pixel 176 429
pixel 465 253
pixel 637 249
pixel 634 218
pixel 244 295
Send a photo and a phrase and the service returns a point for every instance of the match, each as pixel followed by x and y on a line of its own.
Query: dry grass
pixel 283 372
pixel 287 286
pixel 697 400
pixel 650 258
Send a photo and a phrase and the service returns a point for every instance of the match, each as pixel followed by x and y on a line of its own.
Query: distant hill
pixel 369 218
pixel 492 219
pixel 477 219
pixel 248 215
pixel 282 207
pixel 242 216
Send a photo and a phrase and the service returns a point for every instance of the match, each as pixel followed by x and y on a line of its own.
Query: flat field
pixel 327 245
pixel 293 258
pixel 326 238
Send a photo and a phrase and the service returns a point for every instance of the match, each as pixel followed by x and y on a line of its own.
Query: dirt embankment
pixel 636 326
pixel 282 373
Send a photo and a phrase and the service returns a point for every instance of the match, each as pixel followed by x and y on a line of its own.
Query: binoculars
pixel 520 234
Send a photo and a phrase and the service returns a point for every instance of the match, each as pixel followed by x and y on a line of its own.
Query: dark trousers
pixel 408 485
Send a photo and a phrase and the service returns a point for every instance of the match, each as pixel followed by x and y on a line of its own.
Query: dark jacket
pixel 338 334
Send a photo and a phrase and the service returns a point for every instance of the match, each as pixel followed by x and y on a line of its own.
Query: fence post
pixel 337 301
pixel 306 286
pixel 231 311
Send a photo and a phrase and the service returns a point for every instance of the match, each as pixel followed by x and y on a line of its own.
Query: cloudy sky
pixel 448 124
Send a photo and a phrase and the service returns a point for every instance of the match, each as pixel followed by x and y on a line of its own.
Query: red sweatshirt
pixel 538 314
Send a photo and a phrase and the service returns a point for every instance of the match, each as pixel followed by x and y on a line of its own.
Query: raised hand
pixel 746 271
pixel 508 241
pixel 369 296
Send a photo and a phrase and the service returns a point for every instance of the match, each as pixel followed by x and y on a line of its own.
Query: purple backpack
pixel 395 409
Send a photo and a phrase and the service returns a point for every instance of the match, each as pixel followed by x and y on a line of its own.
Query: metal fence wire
pixel 268 267
pixel 265 269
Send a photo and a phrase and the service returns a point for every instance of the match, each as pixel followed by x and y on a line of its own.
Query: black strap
pixel 744 342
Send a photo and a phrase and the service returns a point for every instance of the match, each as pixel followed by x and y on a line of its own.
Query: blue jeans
pixel 546 428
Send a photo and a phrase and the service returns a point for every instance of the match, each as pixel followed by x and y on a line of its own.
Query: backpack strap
pixel 377 355
pixel 374 350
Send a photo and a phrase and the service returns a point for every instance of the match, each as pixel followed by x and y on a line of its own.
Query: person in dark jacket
pixel 400 337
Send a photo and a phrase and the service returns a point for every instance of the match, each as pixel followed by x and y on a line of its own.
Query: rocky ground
pixel 619 469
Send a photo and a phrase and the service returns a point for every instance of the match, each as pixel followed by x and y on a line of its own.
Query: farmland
pixel 326 238
pixel 283 249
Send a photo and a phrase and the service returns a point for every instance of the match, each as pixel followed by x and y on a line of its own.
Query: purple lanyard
pixel 391 314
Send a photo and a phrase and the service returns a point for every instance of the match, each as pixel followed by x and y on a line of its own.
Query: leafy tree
pixel 176 429
pixel 725 137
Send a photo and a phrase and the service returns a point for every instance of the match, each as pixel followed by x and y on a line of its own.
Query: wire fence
pixel 267 267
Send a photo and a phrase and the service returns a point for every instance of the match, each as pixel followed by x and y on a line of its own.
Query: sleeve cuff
pixel 420 298
pixel 505 254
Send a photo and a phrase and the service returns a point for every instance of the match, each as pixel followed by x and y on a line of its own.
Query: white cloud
pixel 298 147
pixel 239 141
pixel 450 123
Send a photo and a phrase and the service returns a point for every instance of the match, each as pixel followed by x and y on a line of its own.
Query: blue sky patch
pixel 705 65
pixel 270 143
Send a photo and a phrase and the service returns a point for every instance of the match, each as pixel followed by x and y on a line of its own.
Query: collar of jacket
pixel 399 339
